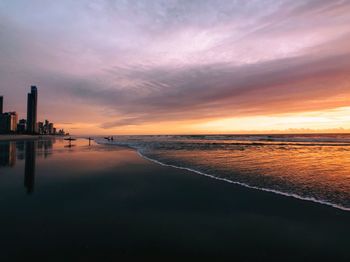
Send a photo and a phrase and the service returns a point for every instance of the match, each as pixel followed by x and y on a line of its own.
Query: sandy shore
pixel 17 137
pixel 107 203
pixel 25 137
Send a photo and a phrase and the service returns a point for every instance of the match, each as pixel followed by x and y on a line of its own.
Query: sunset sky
pixel 185 66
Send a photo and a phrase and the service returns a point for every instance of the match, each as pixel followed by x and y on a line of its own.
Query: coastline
pixel 121 205
pixel 18 137
pixel 26 137
pixel 320 202
pixel 262 189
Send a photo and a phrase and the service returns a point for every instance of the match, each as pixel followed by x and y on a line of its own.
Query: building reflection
pixel 29 166
pixel 12 152
pixel 8 154
pixel 44 147
pixel 20 146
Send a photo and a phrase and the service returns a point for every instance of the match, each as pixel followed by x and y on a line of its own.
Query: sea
pixel 311 167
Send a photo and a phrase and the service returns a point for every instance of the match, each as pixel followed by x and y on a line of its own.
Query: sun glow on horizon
pixel 325 120
pixel 333 120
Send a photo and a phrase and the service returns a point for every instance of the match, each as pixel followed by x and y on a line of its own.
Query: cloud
pixel 222 90
pixel 137 62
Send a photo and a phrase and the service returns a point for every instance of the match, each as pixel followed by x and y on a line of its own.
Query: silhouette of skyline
pixel 9 123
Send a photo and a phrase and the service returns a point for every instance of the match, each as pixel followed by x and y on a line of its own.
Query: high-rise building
pixel 32 106
pixel 2 119
pixel 8 122
pixel 21 126
pixel 41 128
pixel 1 104
pixel 50 129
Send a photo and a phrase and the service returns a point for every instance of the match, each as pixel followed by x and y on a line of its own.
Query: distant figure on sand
pixel 70 139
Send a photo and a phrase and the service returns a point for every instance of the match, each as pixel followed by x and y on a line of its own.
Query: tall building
pixel 8 122
pixel 32 106
pixel 1 104
pixel 41 128
pixel 46 128
pixel 1 114
pixel 50 129
pixel 21 126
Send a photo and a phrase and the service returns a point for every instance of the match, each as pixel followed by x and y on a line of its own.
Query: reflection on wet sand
pixel 29 167
pixel 69 146
pixel 45 146
pixel 104 199
pixel 27 151
pixel 38 157
pixel 8 154
pixel 20 147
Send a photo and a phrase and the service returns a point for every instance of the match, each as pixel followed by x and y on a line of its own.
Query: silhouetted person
pixel 29 167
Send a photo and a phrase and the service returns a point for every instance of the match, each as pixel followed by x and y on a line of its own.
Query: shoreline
pixel 18 137
pixel 308 199
pixel 125 206
pixel 239 208
pixel 255 188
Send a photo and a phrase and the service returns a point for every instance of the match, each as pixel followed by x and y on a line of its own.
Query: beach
pixel 105 202
pixel 17 137
pixel 23 137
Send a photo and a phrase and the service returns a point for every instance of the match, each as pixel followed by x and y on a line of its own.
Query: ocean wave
pixel 212 141
pixel 331 138
pixel 323 202
pixel 140 150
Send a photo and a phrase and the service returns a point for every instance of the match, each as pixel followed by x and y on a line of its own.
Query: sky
pixel 179 66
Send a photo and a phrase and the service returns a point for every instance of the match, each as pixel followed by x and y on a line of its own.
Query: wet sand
pixel 132 208
pixel 17 137
pixel 26 137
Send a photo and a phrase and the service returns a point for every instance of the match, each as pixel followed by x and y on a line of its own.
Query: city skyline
pixel 175 67
pixel 11 124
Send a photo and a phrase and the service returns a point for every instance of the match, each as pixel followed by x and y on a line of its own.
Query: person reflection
pixel 29 166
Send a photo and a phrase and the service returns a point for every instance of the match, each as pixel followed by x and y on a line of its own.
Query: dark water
pixel 103 203
pixel 309 167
